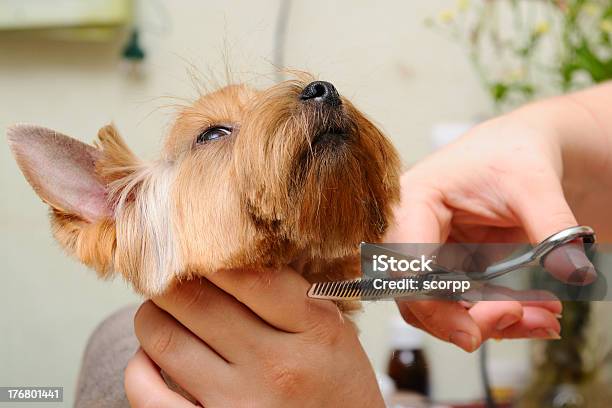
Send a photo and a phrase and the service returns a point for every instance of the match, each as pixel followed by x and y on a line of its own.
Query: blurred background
pixel 424 71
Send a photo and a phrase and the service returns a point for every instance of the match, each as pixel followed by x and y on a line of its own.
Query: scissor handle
pixel 563 237
pixel 538 252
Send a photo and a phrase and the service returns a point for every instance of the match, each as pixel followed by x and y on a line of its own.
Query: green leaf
pixel 499 91
pixel 588 61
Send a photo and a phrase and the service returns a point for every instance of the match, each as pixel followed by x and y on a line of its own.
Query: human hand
pixel 501 182
pixel 249 338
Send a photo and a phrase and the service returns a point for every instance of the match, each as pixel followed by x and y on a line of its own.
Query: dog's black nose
pixel 321 91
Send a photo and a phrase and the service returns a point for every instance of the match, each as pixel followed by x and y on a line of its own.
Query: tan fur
pixel 266 195
pixel 92 243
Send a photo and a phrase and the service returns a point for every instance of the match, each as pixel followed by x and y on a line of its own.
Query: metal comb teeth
pixel 359 289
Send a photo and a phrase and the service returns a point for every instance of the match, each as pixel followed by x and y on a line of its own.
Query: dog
pixel 289 175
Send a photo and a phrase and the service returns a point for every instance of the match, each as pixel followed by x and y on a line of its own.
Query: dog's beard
pixel 320 177
pixel 335 191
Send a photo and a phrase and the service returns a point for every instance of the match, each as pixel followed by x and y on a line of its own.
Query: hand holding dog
pixel 509 180
pixel 248 338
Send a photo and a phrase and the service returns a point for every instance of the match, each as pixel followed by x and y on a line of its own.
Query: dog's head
pixel 246 177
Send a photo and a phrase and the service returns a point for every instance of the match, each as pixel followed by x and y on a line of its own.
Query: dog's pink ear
pixel 62 171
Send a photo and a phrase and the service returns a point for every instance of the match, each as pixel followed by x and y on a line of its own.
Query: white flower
pixel 447 16
pixel 606 25
pixel 463 5
pixel 591 9
pixel 541 28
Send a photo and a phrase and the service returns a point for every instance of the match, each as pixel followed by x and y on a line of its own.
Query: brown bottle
pixel 408 365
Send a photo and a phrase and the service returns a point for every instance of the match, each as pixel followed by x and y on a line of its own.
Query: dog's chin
pixel 329 138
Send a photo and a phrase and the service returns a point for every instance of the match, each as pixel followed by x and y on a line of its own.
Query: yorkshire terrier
pixel 290 175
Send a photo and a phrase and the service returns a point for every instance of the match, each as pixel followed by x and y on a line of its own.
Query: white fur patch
pixel 147 227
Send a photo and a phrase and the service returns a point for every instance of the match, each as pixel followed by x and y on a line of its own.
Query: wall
pixel 402 74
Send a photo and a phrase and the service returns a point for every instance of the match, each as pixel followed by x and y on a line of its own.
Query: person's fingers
pixel 447 320
pixel 145 387
pixel 553 306
pixel 496 316
pixel 184 357
pixel 506 318
pixel 223 323
pixel 421 218
pixel 278 296
pixel 528 297
pixel 504 308
pixel 410 318
pixel 537 323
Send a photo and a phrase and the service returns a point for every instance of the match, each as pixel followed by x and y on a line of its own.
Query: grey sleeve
pixel 110 347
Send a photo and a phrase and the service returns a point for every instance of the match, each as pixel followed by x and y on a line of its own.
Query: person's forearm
pixel 581 125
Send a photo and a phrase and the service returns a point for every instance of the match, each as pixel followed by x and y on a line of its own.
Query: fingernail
pixel 464 340
pixel 559 316
pixel 506 321
pixel 543 333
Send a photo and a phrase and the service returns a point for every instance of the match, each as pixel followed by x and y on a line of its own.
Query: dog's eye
pixel 213 133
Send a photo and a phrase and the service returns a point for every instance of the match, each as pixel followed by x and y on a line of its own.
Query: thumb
pixel 543 211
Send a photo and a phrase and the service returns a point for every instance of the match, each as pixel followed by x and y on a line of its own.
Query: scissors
pixel 386 288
